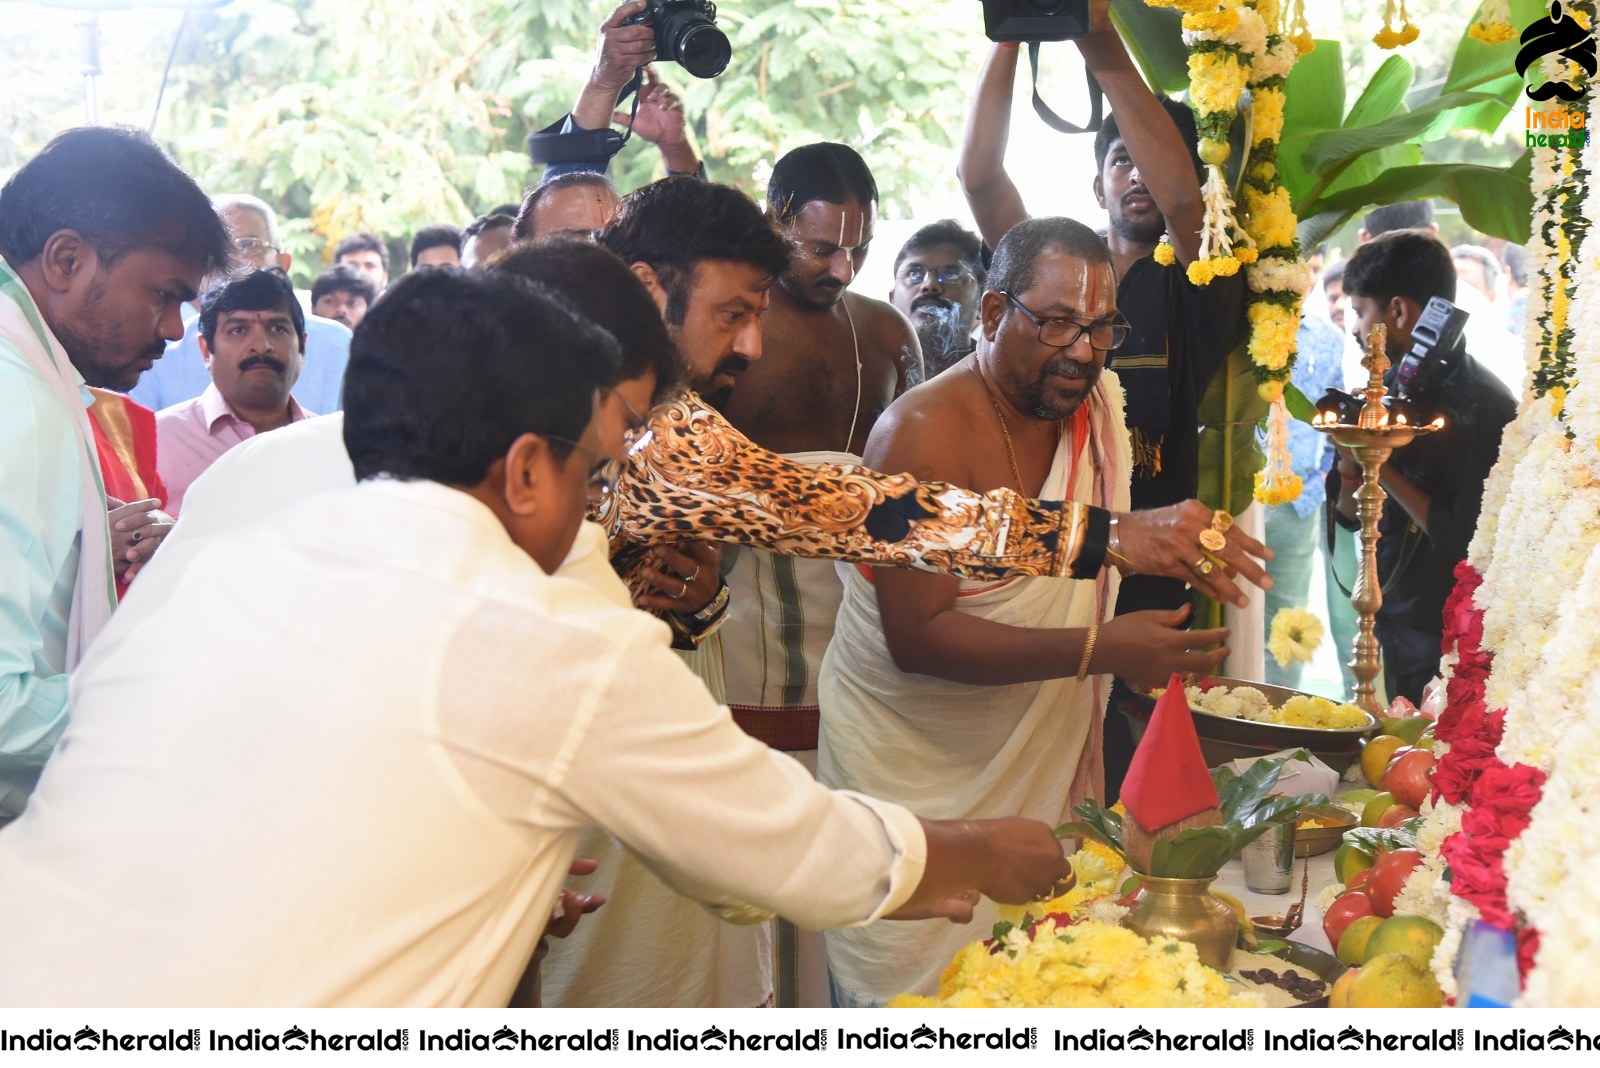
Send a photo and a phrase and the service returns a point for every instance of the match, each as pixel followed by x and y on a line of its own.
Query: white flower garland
pixel 1540 715
pixel 1583 404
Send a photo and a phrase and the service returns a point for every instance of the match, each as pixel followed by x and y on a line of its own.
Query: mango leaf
pixel 1369 840
pixel 1336 147
pixel 1383 95
pixel 1229 453
pixel 1097 822
pixel 1497 201
pixel 1154 38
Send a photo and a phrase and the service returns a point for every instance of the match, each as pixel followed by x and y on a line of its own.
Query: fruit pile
pixel 1397 762
pixel 1389 955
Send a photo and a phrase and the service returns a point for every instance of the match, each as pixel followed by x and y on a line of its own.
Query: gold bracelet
pixel 1088 651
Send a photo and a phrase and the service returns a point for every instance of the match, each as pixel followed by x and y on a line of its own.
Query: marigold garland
pixel 1493 24
pixel 1389 37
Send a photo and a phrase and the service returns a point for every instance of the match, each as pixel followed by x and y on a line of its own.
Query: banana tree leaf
pixel 1154 38
pixel 1384 94
pixel 1497 201
pixel 1230 456
pixel 1313 102
pixel 1475 63
pixel 1314 229
pixel 1300 406
pixel 1370 166
pixel 1336 147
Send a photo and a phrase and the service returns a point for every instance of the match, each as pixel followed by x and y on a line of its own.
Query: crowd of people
pixel 618 553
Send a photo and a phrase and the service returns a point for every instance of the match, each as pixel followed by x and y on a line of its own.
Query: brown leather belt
pixel 790 730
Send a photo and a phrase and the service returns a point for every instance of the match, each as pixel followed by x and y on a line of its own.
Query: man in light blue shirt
pixel 102 239
pixel 181 373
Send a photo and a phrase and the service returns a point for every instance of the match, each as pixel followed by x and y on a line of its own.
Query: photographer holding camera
pixel 1435 484
pixel 627 44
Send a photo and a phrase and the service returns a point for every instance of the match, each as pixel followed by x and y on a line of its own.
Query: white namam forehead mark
pixel 1086 287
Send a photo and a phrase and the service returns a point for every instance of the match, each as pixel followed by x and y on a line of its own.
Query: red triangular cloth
pixel 1168 779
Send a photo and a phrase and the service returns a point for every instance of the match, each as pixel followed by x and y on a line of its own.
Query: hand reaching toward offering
pixel 1146 648
pixel 1170 541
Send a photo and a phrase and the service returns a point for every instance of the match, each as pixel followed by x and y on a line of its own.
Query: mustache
pixel 933 300
pixel 732 364
pixel 263 361
pixel 1137 191
pixel 154 351
pixel 1069 368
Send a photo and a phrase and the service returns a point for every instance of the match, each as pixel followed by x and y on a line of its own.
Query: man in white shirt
pixel 361 782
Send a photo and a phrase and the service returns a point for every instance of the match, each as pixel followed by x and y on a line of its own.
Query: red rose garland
pixel 1498 797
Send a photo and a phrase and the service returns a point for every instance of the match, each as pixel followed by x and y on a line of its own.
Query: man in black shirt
pixel 1435 484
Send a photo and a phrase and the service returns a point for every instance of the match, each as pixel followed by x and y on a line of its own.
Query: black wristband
pixel 1096 539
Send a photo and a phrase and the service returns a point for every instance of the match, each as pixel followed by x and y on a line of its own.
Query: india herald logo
pixel 1558 34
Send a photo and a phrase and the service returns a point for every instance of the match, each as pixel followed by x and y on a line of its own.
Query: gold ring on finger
pixel 1221 521
pixel 1213 541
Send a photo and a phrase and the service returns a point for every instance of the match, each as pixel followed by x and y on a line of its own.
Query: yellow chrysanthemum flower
pixel 1214 22
pixel 1216 79
pixel 1269 491
pixel 1492 33
pixel 1164 254
pixel 1087 965
pixel 1267 116
pixel 1200 273
pixel 1294 636
pixel 1304 43
pixel 1245 254
pixel 1558 399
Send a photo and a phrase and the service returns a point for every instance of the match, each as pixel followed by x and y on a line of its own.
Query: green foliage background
pixel 357 113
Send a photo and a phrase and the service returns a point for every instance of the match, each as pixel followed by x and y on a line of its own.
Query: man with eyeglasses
pixel 938 277
pixel 181 373
pixel 972 698
pixel 1148 180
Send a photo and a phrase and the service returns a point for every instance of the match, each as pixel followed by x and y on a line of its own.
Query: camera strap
pixel 552 145
pixel 1049 117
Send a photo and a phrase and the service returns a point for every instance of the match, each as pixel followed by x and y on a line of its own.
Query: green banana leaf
pixel 1154 38
pixel 1230 455
pixel 1493 200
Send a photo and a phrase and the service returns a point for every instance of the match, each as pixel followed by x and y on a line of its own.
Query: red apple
pixel 1408 775
pixel 1389 874
pixel 1344 911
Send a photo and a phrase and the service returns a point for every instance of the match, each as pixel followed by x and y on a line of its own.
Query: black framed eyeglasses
pixel 1104 334
pixel 950 274
pixel 603 473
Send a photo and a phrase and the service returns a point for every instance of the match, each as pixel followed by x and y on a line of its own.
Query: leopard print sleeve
pixel 699 478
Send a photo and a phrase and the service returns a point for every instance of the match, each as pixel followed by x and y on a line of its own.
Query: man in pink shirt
pixel 252 337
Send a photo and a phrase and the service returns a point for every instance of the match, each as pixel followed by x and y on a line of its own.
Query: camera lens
pixel 702 49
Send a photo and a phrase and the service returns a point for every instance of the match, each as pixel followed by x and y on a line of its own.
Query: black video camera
pixel 687 34
pixel 1035 20
pixel 1435 346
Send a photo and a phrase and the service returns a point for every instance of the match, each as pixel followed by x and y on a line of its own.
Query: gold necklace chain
pixel 1011 452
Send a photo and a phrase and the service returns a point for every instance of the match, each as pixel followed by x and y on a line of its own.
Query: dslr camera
pixel 1035 20
pixel 687 34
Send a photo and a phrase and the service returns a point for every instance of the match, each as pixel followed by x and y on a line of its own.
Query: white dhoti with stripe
pixel 949 750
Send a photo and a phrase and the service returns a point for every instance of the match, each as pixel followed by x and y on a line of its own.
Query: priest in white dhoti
pixel 970 698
